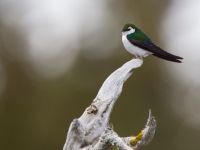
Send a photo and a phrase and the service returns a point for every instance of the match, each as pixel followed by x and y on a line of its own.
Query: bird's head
pixel 129 28
pixel 134 32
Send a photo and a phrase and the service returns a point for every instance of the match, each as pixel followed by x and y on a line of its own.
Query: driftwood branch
pixel 92 132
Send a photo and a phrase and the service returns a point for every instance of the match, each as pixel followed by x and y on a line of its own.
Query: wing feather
pixel 157 51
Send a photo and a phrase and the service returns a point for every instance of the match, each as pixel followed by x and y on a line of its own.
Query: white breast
pixel 138 52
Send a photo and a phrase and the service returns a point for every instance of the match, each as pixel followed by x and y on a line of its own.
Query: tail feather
pixel 168 56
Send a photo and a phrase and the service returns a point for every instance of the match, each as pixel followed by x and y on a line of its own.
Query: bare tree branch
pixel 92 132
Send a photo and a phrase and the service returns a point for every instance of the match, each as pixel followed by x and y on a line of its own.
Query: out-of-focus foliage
pixel 54 55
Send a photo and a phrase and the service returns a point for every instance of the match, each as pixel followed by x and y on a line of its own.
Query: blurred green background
pixel 54 56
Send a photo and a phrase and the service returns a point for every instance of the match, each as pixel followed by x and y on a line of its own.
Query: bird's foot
pixel 137 57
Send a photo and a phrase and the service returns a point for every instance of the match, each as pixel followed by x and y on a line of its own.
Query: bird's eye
pixel 129 28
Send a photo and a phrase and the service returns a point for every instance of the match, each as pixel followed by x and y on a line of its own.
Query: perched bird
pixel 140 45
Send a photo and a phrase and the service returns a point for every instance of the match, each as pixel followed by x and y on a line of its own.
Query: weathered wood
pixel 92 132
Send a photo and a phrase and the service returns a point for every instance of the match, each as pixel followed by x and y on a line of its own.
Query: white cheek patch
pixel 130 31
pixel 133 30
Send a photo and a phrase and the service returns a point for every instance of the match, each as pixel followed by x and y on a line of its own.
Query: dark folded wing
pixel 157 51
